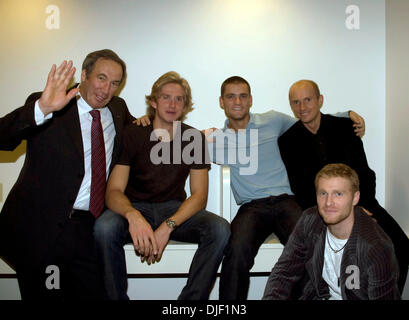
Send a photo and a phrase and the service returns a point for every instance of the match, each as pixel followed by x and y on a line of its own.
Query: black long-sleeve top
pixel 305 153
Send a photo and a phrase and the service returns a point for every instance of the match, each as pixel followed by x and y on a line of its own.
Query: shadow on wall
pixel 13 156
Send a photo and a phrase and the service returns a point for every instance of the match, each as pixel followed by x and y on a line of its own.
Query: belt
pixel 80 214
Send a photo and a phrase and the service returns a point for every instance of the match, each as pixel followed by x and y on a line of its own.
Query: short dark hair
pixel 91 59
pixel 235 80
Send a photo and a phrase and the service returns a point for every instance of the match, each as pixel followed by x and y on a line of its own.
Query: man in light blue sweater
pixel 248 145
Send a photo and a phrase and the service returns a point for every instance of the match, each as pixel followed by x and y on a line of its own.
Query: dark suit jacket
pixel 368 248
pixel 39 203
pixel 305 153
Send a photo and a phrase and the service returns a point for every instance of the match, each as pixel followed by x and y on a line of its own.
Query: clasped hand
pixel 148 244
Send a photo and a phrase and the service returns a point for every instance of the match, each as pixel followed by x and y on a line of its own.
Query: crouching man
pixel 336 250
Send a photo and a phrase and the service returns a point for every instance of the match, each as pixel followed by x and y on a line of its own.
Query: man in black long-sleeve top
pixel 318 139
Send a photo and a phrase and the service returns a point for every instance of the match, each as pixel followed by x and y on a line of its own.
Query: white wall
pixel 271 43
pixel 397 110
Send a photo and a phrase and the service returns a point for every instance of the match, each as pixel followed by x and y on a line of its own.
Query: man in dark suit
pixel 336 248
pixel 318 139
pixel 46 225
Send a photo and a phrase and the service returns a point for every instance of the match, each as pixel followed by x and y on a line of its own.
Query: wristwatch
pixel 171 224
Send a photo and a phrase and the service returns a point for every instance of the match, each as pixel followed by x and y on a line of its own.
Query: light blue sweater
pixel 256 168
pixel 253 156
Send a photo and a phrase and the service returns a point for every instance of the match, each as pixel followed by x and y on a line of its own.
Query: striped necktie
pixel 98 165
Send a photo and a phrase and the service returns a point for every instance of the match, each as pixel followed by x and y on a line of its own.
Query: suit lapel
pixel 118 123
pixel 71 123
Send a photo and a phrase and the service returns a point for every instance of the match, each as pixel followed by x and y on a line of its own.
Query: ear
pixel 153 104
pixel 251 101
pixel 83 75
pixel 356 198
pixel 221 102
pixel 320 100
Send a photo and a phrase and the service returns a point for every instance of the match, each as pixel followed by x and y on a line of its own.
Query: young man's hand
pixel 142 235
pixel 162 234
pixel 208 134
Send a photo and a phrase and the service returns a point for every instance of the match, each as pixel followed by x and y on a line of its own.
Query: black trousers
pixel 254 222
pixel 70 270
pixel 398 236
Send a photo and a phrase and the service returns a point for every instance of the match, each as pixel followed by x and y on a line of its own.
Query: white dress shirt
pixel 82 201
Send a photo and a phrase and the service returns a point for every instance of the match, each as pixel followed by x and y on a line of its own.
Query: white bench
pixel 177 256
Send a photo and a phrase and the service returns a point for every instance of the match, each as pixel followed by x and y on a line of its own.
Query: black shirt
pixel 159 169
pixel 305 153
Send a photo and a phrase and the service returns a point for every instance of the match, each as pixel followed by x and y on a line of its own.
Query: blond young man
pixel 336 249
pixel 146 197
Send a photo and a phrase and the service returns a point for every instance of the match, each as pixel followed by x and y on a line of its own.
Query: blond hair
pixel 169 77
pixel 341 170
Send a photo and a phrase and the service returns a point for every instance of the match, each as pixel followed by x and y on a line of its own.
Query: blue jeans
pixel 209 231
pixel 254 222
